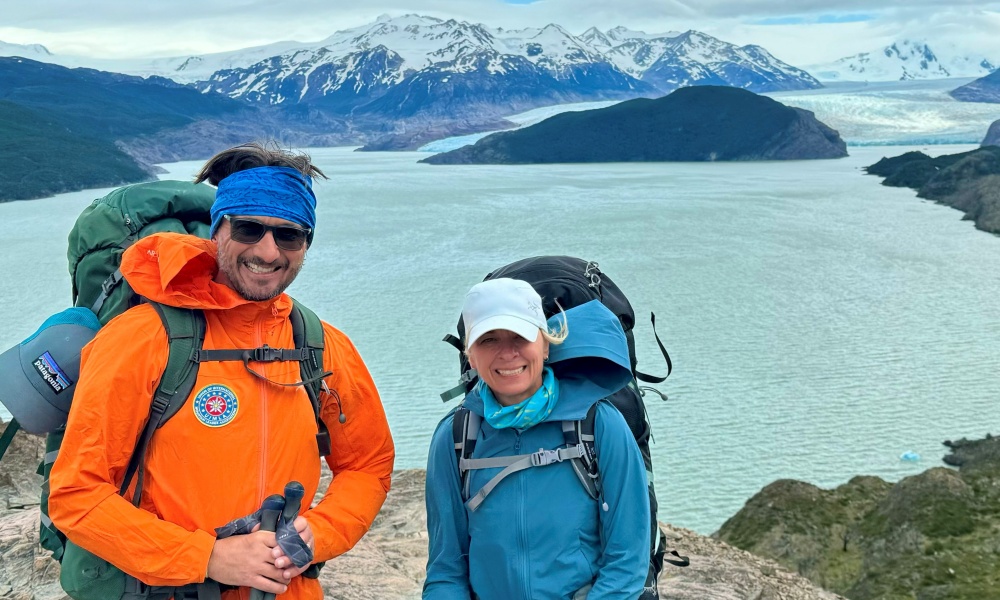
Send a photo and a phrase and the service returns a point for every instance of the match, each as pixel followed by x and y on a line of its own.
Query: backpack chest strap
pixel 263 354
pixel 513 464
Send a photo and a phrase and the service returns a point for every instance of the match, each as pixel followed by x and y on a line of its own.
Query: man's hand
pixel 281 561
pixel 248 560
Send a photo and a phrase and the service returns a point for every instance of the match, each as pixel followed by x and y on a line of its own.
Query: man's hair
pixel 251 156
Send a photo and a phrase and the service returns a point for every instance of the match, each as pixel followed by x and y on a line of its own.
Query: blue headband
pixel 280 192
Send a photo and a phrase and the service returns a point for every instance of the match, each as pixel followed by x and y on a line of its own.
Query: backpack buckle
pixel 265 354
pixel 545 457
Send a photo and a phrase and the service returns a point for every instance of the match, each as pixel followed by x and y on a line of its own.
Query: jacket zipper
pixel 522 528
pixel 261 385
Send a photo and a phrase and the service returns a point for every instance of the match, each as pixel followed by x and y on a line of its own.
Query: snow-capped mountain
pixel 694 58
pixel 33 51
pixel 417 64
pixel 908 59
pixel 417 73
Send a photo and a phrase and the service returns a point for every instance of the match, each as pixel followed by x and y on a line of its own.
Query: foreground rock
pixel 389 562
pixel 928 537
pixel 703 123
pixel 969 181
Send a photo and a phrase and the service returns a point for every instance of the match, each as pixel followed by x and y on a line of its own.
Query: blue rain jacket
pixel 539 535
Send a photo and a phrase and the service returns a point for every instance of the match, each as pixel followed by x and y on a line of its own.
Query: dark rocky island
pixel 703 123
pixel 928 537
pixel 984 89
pixel 969 181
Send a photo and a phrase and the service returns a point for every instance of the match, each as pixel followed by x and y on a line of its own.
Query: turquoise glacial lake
pixel 821 325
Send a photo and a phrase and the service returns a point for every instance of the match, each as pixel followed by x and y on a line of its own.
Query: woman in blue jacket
pixel 513 530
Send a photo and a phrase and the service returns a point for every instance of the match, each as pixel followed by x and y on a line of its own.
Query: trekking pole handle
pixel 270 513
pixel 293 500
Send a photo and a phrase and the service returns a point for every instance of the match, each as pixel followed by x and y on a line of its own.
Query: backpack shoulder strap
pixel 465 431
pixel 185 330
pixel 581 433
pixel 307 332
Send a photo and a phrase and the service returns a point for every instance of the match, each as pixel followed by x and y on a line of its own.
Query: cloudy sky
pixel 799 32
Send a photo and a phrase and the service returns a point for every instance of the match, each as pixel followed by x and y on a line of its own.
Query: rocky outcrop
pixel 703 123
pixel 984 89
pixel 969 182
pixel 930 536
pixel 992 135
pixel 388 563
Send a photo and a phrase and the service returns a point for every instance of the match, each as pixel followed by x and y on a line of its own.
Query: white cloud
pixel 116 28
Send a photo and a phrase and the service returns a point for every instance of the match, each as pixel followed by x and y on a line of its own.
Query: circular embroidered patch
pixel 215 405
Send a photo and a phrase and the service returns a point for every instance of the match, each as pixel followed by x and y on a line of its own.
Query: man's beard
pixel 257 295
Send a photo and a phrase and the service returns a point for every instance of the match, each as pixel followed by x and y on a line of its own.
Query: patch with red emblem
pixel 216 405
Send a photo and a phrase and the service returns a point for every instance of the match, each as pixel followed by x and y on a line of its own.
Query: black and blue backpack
pixel 565 282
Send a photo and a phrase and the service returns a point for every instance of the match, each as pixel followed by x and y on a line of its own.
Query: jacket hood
pixel 591 364
pixel 179 270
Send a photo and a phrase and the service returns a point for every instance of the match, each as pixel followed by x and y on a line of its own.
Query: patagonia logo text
pixel 51 373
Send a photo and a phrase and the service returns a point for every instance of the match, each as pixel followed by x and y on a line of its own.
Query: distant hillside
pixel 41 157
pixel 932 536
pixel 152 120
pixel 705 123
pixel 984 89
pixel 969 181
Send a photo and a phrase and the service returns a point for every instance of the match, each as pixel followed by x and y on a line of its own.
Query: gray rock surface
pixel 992 135
pixel 388 563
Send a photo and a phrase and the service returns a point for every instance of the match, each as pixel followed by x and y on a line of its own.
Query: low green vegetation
pixel 933 536
pixel 40 158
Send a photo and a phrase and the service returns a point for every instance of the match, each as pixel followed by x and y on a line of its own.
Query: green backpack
pixel 101 234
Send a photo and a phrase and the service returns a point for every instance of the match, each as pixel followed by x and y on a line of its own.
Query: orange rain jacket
pixel 200 477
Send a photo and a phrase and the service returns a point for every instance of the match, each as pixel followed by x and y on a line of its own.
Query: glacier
pixel 889 113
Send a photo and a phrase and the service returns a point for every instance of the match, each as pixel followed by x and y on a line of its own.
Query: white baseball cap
pixel 502 303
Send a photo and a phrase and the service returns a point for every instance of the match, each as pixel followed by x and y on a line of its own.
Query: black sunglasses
pixel 251 231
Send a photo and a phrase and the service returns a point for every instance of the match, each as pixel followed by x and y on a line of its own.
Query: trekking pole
pixel 293 499
pixel 270 513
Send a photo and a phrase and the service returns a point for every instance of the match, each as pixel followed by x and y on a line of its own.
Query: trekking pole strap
pixel 514 464
pixel 652 378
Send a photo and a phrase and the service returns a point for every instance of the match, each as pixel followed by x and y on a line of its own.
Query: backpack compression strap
pixel 469 376
pixel 651 378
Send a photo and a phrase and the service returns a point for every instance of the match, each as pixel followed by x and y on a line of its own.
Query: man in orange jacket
pixel 217 461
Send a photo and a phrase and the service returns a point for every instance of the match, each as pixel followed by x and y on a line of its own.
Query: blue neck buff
pixel 281 192
pixel 528 412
